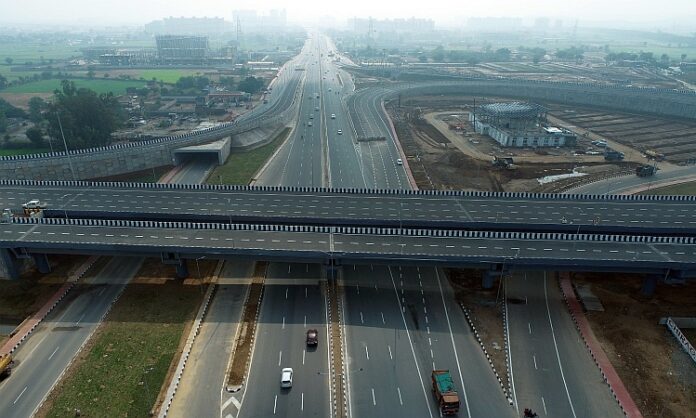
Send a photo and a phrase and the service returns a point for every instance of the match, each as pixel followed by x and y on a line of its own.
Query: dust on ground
pixel 659 375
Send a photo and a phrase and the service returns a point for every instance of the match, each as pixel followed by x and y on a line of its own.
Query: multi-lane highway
pixel 466 210
pixel 52 346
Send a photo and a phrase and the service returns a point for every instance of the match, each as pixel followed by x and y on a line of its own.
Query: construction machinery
pixel 646 170
pixel 6 364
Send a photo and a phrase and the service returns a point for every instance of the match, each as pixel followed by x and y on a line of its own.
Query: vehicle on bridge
pixel 286 378
pixel 646 170
pixel 446 395
pixel 340 132
pixel 6 364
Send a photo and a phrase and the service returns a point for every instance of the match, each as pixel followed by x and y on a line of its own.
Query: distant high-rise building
pixel 494 24
pixel 251 21
pixel 375 26
pixel 542 23
pixel 189 26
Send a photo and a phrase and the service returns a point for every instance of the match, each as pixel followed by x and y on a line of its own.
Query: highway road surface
pixel 52 346
pixel 200 391
pixel 625 184
pixel 552 370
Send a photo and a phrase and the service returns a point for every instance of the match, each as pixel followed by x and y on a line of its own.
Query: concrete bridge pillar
pixel 9 265
pixel 41 261
pixel 488 279
pixel 333 269
pixel 182 270
pixel 649 284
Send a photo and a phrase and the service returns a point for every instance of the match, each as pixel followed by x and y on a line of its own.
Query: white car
pixel 340 132
pixel 333 116
pixel 286 378
pixel 399 162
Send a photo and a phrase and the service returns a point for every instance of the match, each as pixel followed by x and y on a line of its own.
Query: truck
pixel 654 155
pixel 646 170
pixel 6 364
pixel 445 393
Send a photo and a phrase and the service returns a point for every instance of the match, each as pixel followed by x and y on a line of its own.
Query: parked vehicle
pixel 646 170
pixel 446 395
pixel 613 155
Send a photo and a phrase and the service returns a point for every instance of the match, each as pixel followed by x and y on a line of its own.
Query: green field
pixel 240 167
pixel 99 85
pixel 170 76
pixel 677 189
pixel 122 372
pixel 33 51
pixel 23 151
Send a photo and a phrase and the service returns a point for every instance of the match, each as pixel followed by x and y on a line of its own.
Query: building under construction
pixel 519 124
pixel 175 49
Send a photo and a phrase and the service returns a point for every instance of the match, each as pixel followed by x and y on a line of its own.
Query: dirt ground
pixel 660 376
pixel 247 330
pixel 437 164
pixel 22 99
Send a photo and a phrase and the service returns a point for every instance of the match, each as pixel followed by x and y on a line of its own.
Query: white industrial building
pixel 519 124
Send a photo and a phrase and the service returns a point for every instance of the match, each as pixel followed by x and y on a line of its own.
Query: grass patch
pixel 121 371
pixel 100 86
pixel 144 176
pixel 688 189
pixel 170 76
pixel 23 151
pixel 239 168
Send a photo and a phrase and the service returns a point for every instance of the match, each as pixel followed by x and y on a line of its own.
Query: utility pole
pixel 65 144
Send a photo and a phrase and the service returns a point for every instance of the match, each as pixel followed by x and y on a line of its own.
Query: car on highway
pixel 399 162
pixel 312 337
pixel 309 123
pixel 311 115
pixel 340 132
pixel 316 109
pixel 286 378
pixel 333 116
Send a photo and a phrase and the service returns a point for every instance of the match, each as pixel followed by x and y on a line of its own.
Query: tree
pixel 683 57
pixel 250 85
pixel 90 72
pixel 36 106
pixel 35 136
pixel 438 54
pixel 88 119
pixel 9 60
pixel 3 82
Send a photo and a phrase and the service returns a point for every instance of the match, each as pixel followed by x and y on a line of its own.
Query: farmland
pixel 98 85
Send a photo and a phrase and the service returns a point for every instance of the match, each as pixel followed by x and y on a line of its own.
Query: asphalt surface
pixel 200 391
pixel 553 372
pixel 625 184
pixel 327 207
pixel 52 346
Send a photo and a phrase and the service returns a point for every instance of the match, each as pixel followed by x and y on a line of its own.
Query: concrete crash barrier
pixel 681 338
pixel 611 378
pixel 350 191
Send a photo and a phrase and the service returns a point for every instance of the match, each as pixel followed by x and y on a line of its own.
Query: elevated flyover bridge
pixel 176 242
pixel 523 212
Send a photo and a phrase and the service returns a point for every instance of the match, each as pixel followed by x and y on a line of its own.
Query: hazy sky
pixel 141 11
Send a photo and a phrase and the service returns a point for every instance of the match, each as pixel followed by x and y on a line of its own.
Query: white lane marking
pixel 430 341
pixel 543 402
pixel 25 389
pixel 529 325
pixel 283 322
pixel 81 318
pixel 535 363
pixel 410 342
pixel 390 353
pixel 398 390
pixel 305 321
pixel 507 331
pixel 54 353
pixel 232 400
pixel 305 293
pixel 431 353
pixel 303 356
pixel 454 348
pixel 35 347
pixel 361 318
pixel 275 403
pixel 428 330
pixel 280 357
pixel 374 401
pixel 302 403
pixel 367 353
pixel 286 293
pixel 382 313
pixel 555 344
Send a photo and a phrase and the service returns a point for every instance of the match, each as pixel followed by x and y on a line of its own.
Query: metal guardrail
pixel 351 191
pixel 681 338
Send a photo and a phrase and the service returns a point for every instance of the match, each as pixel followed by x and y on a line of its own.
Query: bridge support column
pixel 649 284
pixel 41 261
pixel 488 279
pixel 333 269
pixel 182 270
pixel 9 265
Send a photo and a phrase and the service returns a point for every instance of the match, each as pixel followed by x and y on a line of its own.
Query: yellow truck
pixel 5 365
